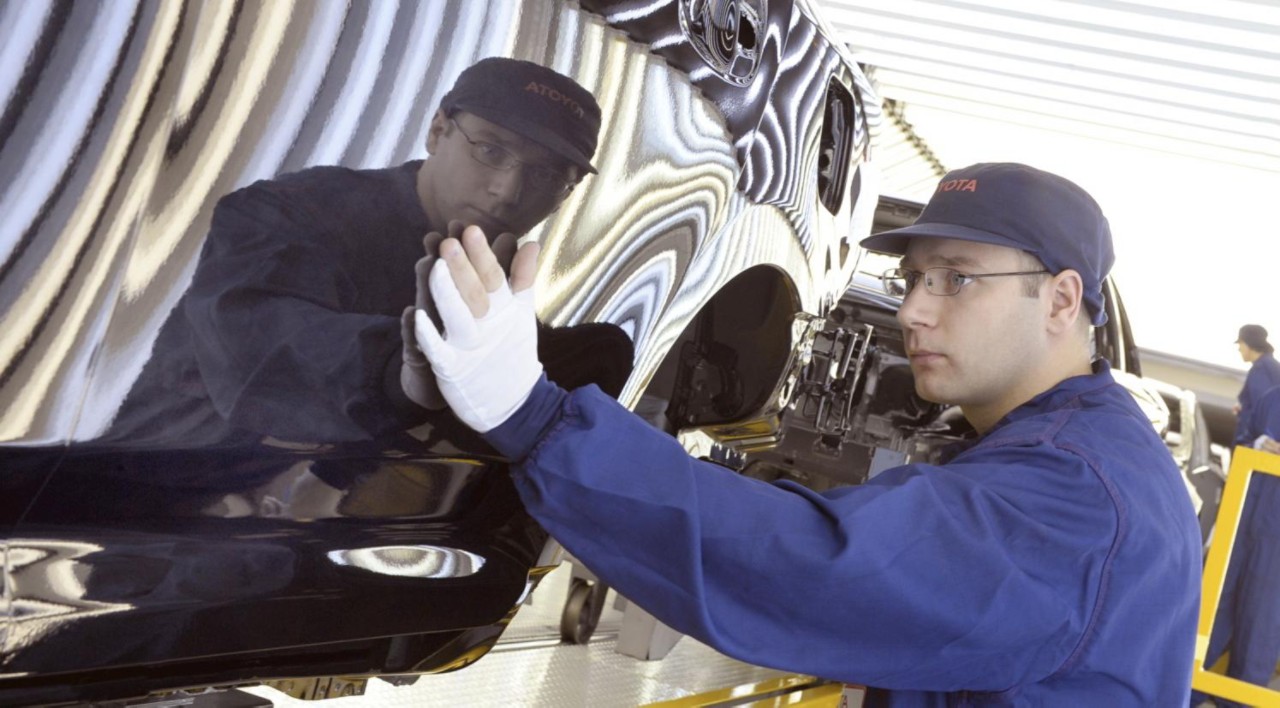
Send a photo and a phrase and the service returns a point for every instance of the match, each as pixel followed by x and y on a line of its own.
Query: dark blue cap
pixel 1013 205
pixel 1256 337
pixel 531 100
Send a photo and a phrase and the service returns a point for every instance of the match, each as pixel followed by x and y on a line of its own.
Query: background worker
pixel 1264 374
pixel 294 326
pixel 1055 560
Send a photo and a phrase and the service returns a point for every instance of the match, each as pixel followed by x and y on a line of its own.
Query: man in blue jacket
pixel 1053 561
pixel 1264 375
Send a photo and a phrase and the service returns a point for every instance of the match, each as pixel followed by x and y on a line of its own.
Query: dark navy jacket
pixel 1263 376
pixel 291 326
pixel 1055 561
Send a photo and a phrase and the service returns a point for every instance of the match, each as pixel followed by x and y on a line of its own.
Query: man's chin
pixel 929 393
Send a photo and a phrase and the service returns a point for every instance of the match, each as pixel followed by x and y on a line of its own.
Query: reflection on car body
pixel 733 184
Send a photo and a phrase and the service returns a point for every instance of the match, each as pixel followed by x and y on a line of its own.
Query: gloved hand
pixel 486 363
pixel 1266 444
pixel 416 379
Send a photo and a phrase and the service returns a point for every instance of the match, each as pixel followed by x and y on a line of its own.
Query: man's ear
pixel 1066 301
pixel 439 124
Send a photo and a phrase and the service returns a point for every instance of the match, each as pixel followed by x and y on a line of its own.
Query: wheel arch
pixel 729 359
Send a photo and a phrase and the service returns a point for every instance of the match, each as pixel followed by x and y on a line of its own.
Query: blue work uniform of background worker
pixel 1264 375
pixel 1054 561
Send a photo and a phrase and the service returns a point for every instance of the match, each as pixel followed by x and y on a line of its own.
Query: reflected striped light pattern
pixel 124 122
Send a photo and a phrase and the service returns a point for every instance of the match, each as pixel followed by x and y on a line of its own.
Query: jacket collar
pixel 1052 399
pixel 1067 390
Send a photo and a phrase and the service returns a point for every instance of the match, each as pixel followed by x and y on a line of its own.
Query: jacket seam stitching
pixel 1104 583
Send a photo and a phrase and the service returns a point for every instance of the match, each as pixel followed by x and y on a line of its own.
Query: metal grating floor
pixel 529 667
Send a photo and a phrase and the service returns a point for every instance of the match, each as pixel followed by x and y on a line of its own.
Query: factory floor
pixel 530 666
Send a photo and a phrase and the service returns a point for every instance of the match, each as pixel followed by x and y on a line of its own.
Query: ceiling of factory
pixel 1180 76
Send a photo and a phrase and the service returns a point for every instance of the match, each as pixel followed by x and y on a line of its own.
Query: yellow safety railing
pixel 1244 463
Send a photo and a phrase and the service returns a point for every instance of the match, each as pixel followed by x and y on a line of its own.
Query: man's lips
pixel 922 356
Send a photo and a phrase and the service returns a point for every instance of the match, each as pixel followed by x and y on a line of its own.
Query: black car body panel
pixel 733 186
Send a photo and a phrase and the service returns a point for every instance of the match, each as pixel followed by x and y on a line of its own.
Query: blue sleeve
pixel 921 578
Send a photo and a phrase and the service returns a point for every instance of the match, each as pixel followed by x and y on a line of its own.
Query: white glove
pixel 486 367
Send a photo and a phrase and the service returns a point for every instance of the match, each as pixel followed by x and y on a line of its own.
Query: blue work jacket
pixel 1264 375
pixel 1054 561
pixel 1265 418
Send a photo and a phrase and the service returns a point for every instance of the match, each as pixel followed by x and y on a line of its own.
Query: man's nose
pixel 919 308
pixel 507 185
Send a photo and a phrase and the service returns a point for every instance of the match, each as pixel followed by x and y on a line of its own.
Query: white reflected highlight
pixel 432 562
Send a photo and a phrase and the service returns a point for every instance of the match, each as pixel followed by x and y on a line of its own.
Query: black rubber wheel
pixel 582 611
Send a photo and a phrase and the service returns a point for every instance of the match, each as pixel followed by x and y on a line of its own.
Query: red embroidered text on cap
pixel 554 95
pixel 959 185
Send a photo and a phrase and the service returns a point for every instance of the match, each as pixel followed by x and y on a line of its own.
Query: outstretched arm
pixel 899 583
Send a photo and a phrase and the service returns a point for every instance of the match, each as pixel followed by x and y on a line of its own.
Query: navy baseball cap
pixel 1017 206
pixel 1256 337
pixel 533 101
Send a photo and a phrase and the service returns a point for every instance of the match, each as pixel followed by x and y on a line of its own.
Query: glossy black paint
pixel 111 572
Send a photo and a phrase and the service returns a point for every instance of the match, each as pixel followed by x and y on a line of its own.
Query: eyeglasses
pixel 937 281
pixel 543 179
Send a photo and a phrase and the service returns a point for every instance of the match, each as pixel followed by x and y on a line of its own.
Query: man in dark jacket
pixel 1264 375
pixel 292 330
pixel 1055 560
